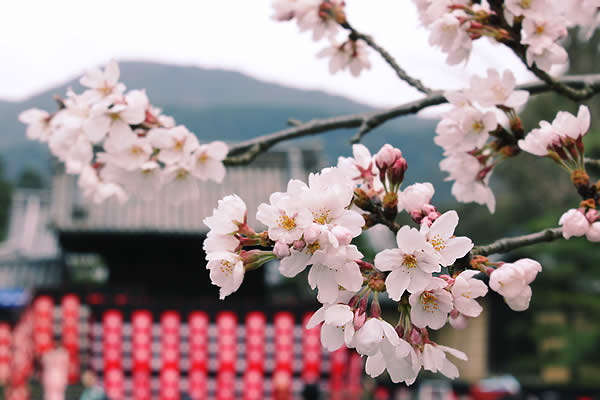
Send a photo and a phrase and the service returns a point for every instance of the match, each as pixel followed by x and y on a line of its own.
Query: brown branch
pixel 402 74
pixel 245 152
pixel 508 244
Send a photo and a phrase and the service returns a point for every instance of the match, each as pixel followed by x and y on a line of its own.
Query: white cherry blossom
pixel 430 308
pixel 226 271
pixel 207 161
pixel 447 33
pixel 574 223
pixel 104 83
pixel 496 90
pixel 286 218
pixel 230 211
pixel 435 360
pixel 38 124
pixel 116 118
pixel 441 236
pixel 338 327
pixel 175 144
pixel 411 264
pixel 465 290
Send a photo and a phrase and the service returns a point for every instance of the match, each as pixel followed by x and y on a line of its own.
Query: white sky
pixel 44 43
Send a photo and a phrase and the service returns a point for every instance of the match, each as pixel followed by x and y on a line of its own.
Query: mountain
pixel 227 105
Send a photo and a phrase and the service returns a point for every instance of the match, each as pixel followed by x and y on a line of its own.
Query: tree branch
pixel 508 244
pixel 245 152
pixel 402 74
pixel 590 162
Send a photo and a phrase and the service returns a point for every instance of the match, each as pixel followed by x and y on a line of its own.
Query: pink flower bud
pixel 416 337
pixel 429 208
pixel 359 319
pixel 459 321
pixel 299 245
pixel 396 172
pixel 433 216
pixel 311 233
pixel 417 216
pixel 592 215
pixel 342 234
pixel 386 156
pixel 281 249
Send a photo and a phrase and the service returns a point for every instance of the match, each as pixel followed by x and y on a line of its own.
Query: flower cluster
pixel 119 143
pixel 465 132
pixel 562 140
pixel 324 18
pixel 427 275
pixel 534 25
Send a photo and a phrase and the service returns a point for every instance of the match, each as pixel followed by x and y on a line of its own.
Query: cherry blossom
pixel 435 360
pixel 285 218
pixel 465 290
pixel 116 118
pixel 495 90
pixel 104 83
pixel 338 327
pixel 441 236
pixel 412 263
pixel 574 223
pixel 207 161
pixel 226 271
pixel 38 124
pixel 430 307
pixel 415 197
pixel 465 129
pixel 447 33
pixel 352 55
pixel 230 212
pixel 512 280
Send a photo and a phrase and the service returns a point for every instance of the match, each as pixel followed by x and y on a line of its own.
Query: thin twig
pixel 508 244
pixel 590 162
pixel 245 152
pixel 402 74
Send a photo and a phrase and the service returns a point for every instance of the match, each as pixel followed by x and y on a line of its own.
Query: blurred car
pixel 496 387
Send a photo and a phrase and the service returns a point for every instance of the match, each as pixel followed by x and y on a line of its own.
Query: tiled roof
pixel 254 183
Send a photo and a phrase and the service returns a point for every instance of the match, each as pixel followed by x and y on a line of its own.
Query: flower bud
pixel 433 216
pixel 428 209
pixel 592 215
pixel 417 216
pixel 254 259
pixel 342 234
pixel 299 244
pixel 397 171
pixel 387 156
pixel 311 233
pixel 375 308
pixel 281 249
pixel 415 337
pixel 365 266
pixel 362 200
pixel 458 321
pixel 359 319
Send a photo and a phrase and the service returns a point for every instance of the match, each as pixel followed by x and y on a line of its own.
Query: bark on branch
pixel 245 152
pixel 402 74
pixel 508 244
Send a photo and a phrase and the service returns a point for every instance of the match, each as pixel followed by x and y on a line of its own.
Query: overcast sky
pixel 44 43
